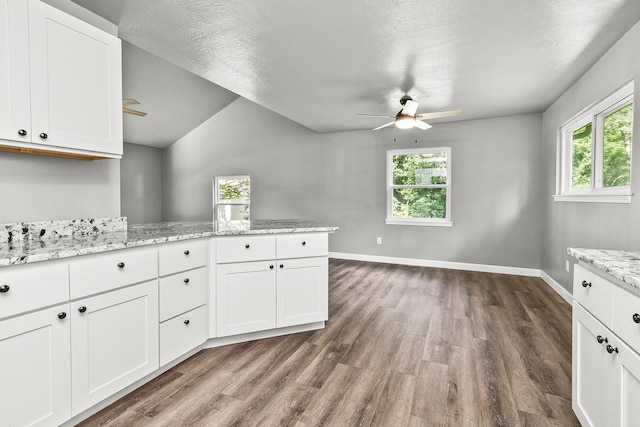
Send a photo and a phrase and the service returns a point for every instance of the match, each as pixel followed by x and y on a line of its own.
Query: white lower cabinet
pixel 35 378
pixel 606 371
pixel 114 342
pixel 246 297
pixel 182 333
pixel 302 291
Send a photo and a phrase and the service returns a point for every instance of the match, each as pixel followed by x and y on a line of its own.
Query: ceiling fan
pixel 407 117
pixel 129 110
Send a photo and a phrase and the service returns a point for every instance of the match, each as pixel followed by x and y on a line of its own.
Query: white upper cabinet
pixel 74 91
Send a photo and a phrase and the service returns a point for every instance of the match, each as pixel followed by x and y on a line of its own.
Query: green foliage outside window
pixel 581 157
pixel 420 171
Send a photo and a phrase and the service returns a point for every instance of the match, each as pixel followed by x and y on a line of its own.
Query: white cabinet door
pixel 35 379
pixel 76 82
pixel 592 368
pixel 14 75
pixel 245 297
pixel 302 291
pixel 625 410
pixel 114 339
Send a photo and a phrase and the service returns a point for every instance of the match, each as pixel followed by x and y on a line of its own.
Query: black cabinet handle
pixel 121 265
pixel 586 284
pixel 281 265
pixel 44 135
pixel 82 309
pixel 247 246
pixel 186 322
pixel 636 317
pixel 22 132
pixel 601 339
pixel 611 350
pixel 271 266
pixel 186 280
pixel 186 252
pixel 4 289
pixel 62 315
pixel 304 243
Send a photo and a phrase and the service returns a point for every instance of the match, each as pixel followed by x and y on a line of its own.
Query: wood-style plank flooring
pixel 404 346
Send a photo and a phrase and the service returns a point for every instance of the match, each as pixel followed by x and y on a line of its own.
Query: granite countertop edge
pixel 622 265
pixel 137 235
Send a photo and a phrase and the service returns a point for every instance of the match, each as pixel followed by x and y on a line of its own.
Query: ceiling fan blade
pixel 410 108
pixel 129 102
pixel 376 115
pixel 384 126
pixel 135 112
pixel 422 125
pixel 438 114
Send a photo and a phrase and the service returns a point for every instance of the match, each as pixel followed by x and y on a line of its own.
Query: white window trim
pixel 430 222
pixel 594 114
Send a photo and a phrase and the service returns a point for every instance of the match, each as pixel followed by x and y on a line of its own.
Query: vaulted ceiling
pixel 320 63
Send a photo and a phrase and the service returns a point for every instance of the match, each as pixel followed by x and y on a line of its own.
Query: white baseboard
pixel 484 268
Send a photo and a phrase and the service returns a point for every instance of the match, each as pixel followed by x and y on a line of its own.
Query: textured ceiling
pixel 320 63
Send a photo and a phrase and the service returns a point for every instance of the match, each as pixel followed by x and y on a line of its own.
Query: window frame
pixel 434 222
pixel 595 115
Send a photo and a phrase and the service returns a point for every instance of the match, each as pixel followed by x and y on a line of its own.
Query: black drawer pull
pixel 62 315
pixel 186 252
pixel 586 284
pixel 281 265
pixel 121 265
pixel 271 266
pixel 82 309
pixel 636 317
pixel 186 322
pixel 186 280
pixel 304 243
pixel 247 246
pixel 601 339
pixel 44 135
pixel 22 132
pixel 611 349
pixel 4 289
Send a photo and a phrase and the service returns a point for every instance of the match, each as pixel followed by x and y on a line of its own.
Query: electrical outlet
pixel 566 265
pixel 379 240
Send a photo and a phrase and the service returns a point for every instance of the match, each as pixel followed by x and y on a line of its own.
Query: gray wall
pixel 38 188
pixel 340 179
pixel 141 184
pixel 590 225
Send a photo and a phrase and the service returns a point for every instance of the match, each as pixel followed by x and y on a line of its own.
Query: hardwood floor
pixel 404 346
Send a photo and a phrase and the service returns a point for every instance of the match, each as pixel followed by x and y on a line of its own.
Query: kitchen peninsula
pixel 92 309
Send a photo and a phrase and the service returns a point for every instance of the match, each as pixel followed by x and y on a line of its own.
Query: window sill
pixel 423 223
pixel 594 198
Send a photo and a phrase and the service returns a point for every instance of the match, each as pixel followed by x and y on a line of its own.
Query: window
pixel 231 199
pixel 419 186
pixel 596 152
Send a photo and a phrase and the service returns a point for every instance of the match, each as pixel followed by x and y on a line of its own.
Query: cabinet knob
pixel 636 317
pixel 121 265
pixel 82 309
pixel 271 266
pixel 4 289
pixel 601 339
pixel 186 252
pixel 247 246
pixel 44 135
pixel 186 322
pixel 281 265
pixel 611 349
pixel 304 243
pixel 586 284
pixel 186 280
pixel 22 132
pixel 62 315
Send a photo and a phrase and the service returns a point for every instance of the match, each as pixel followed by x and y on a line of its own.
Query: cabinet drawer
pixel 626 317
pixel 594 293
pixel 32 286
pixel 182 333
pixel 182 292
pixel 180 256
pixel 245 248
pixel 302 245
pixel 92 274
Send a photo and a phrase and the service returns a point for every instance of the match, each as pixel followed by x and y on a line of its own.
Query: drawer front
pixel 32 286
pixel 594 293
pixel 626 317
pixel 302 245
pixel 245 248
pixel 182 334
pixel 182 292
pixel 92 274
pixel 181 256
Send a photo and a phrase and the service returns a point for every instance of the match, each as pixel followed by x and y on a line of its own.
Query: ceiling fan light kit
pixel 405 122
pixel 408 117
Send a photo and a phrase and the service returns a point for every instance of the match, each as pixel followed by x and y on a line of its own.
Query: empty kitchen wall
pixel 339 179
pixel 38 188
pixel 141 184
pixel 590 225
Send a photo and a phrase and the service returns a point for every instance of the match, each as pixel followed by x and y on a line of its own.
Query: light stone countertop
pixel 622 265
pixel 30 247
